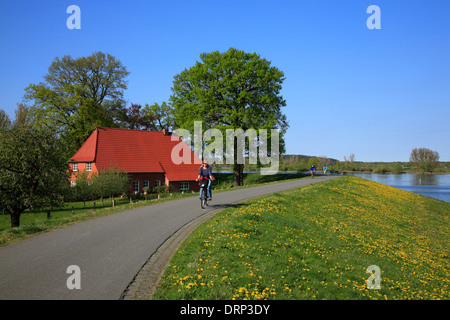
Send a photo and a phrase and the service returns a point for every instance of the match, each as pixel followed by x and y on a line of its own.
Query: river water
pixel 432 185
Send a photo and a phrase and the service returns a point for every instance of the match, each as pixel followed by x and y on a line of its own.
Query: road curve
pixel 109 250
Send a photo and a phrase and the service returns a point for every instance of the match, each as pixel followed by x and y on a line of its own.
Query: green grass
pixel 225 180
pixel 316 242
pixel 35 222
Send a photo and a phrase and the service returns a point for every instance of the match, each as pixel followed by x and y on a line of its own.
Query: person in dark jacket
pixel 205 172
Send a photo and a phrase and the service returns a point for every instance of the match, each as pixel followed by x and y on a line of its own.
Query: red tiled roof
pixel 136 151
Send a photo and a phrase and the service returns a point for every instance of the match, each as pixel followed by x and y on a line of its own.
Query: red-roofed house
pixel 144 155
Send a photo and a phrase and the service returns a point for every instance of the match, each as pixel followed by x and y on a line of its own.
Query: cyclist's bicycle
pixel 204 197
pixel 312 173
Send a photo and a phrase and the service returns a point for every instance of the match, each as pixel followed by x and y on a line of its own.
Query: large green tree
pixel 230 90
pixel 33 171
pixel 78 94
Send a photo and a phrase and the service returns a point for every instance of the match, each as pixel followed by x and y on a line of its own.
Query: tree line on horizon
pixel 421 160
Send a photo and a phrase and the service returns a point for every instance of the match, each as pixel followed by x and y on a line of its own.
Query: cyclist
pixel 313 170
pixel 325 170
pixel 205 172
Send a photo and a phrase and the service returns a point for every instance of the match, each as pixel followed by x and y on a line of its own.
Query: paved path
pixel 110 251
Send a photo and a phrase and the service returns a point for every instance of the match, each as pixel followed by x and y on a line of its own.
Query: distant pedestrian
pixel 325 170
pixel 313 170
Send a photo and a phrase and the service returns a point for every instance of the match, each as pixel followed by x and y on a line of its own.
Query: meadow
pixel 316 242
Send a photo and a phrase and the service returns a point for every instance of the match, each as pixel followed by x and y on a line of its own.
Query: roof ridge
pixel 109 128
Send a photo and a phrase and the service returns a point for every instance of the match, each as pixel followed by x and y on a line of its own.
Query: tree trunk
pixel 15 220
pixel 235 176
pixel 237 170
pixel 241 181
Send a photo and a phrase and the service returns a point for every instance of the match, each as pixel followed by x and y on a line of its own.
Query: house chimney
pixel 166 132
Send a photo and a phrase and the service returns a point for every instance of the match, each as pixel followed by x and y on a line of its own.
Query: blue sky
pixel 375 93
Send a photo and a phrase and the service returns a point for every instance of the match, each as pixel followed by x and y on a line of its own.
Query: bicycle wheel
pixel 202 201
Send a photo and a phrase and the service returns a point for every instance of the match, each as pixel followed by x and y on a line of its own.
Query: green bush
pixel 397 168
pixel 382 168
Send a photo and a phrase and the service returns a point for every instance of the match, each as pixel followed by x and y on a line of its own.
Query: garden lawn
pixel 316 242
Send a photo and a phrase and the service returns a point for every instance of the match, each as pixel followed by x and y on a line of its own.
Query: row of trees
pixel 109 183
pixel 421 160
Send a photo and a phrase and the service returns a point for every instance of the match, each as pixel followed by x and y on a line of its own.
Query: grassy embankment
pixel 316 242
pixel 35 222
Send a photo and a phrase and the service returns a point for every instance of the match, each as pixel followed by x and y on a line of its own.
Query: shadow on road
pixel 226 205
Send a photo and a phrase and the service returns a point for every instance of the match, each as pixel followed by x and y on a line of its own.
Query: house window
pixel 184 185
pixel 88 166
pixel 146 184
pixel 136 186
pixel 75 167
pixel 73 183
pixel 157 183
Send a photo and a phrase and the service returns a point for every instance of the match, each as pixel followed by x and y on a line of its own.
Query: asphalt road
pixel 109 250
